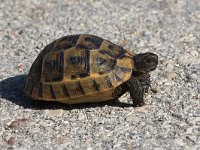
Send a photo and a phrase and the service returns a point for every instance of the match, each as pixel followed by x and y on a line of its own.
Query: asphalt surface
pixel 169 120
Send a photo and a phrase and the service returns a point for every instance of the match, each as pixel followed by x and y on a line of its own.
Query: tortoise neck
pixel 137 73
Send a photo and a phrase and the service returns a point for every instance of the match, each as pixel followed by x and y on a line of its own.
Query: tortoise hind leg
pixel 136 91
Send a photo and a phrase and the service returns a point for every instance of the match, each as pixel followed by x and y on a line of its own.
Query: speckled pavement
pixel 171 118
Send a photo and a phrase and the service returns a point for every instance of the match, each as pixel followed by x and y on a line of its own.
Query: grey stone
pixel 53 113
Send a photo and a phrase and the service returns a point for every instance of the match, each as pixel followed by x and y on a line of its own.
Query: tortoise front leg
pixel 119 91
pixel 145 82
pixel 136 91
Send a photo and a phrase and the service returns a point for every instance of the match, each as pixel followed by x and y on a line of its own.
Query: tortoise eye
pixel 148 60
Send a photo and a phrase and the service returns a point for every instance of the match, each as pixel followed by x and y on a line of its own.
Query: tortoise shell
pixel 79 69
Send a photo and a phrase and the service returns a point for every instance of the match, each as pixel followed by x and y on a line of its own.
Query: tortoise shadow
pixel 11 89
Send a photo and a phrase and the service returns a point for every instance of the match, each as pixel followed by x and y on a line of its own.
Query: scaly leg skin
pixel 136 91
pixel 145 82
pixel 118 92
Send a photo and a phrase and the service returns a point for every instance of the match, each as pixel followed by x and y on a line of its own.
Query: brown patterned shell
pixel 78 69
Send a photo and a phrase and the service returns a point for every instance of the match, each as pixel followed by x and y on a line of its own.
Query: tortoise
pixel 86 68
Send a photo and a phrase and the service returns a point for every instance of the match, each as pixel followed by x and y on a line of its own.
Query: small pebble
pixel 194 53
pixel 53 113
pixel 193 120
pixel 155 89
pixel 81 116
pixel 11 141
pixel 171 75
pixel 16 107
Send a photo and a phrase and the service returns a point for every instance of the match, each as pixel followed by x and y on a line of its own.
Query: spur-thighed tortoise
pixel 86 68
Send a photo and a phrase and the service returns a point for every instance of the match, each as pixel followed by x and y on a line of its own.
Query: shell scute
pixel 112 50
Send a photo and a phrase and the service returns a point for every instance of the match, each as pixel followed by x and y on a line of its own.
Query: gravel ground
pixel 171 118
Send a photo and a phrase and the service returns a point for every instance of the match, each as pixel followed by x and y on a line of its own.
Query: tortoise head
pixel 145 62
